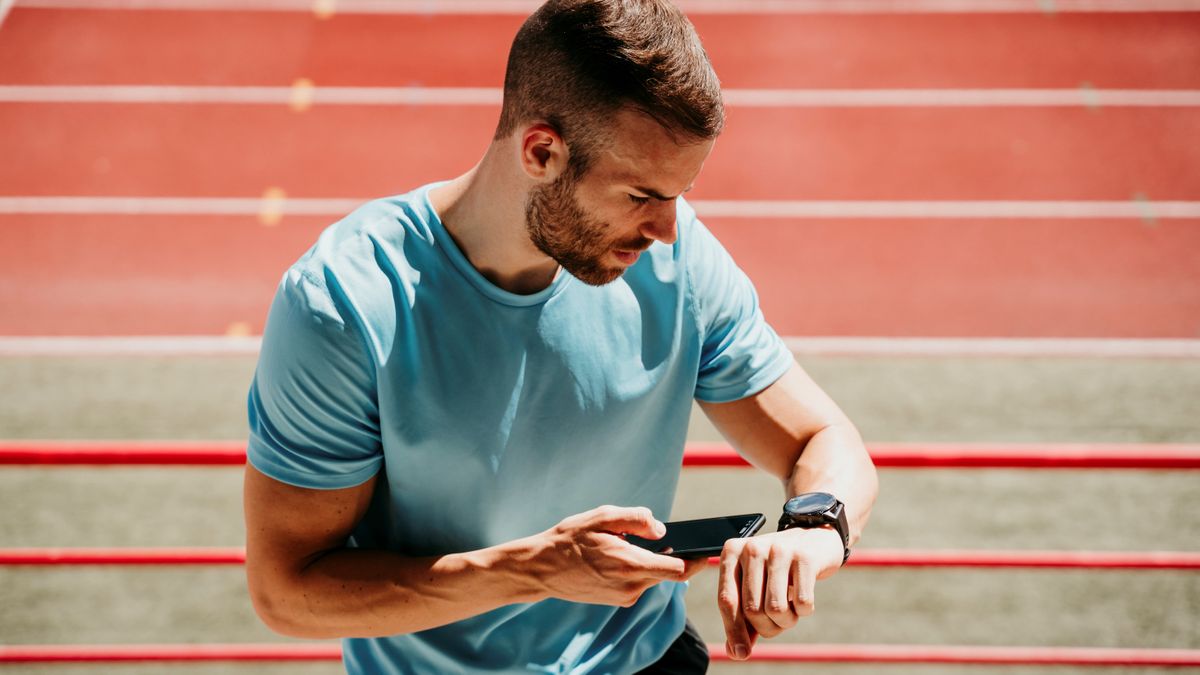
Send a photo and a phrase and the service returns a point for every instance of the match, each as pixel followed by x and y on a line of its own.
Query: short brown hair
pixel 576 62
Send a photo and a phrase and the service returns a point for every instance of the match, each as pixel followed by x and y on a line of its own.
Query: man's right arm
pixel 305 583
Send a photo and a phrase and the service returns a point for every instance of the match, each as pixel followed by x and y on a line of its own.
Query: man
pixel 456 384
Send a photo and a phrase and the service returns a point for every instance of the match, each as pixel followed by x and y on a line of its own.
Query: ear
pixel 543 153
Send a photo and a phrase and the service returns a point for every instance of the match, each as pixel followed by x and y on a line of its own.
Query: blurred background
pixel 974 222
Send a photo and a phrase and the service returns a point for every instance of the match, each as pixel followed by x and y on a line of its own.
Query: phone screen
pixel 703 537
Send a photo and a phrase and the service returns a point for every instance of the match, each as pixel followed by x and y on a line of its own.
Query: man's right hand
pixel 585 558
pixel 306 583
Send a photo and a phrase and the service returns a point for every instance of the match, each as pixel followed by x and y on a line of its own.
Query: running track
pixel 201 274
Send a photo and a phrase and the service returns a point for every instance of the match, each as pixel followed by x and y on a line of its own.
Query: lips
pixel 627 257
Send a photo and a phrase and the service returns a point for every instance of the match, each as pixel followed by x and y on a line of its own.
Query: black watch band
pixel 817 509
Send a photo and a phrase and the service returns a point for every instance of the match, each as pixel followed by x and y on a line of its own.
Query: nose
pixel 660 226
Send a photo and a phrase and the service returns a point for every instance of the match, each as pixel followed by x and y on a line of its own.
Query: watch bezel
pixel 834 515
pixel 810 504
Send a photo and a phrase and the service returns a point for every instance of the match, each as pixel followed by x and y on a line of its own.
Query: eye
pixel 639 200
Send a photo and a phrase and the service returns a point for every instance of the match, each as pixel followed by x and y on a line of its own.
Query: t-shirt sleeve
pixel 313 403
pixel 740 353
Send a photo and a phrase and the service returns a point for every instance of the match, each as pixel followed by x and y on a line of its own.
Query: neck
pixel 484 212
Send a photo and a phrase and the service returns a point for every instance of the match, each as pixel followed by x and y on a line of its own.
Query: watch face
pixel 811 502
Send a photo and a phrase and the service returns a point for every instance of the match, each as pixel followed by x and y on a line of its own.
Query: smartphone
pixel 700 538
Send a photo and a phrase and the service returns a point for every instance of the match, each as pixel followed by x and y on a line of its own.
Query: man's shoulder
pixel 388 222
pixel 389 228
pixel 349 273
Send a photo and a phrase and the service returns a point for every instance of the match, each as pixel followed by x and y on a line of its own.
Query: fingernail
pixel 659 528
pixel 739 651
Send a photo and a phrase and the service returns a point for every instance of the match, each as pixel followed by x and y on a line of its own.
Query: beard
pixel 561 229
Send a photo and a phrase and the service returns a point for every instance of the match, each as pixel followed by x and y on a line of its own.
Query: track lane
pixel 122 275
pixel 765 153
pixel 977 278
pixel 198 275
pixel 1038 50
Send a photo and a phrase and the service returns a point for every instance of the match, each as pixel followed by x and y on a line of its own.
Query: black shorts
pixel 687 654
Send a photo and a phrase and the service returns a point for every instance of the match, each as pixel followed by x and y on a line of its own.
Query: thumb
pixel 693 567
pixel 637 520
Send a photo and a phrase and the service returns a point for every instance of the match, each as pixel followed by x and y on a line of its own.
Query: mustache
pixel 639 244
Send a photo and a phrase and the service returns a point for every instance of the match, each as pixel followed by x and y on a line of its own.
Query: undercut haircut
pixel 575 63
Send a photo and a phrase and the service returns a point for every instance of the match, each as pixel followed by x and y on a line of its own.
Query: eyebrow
pixel 656 194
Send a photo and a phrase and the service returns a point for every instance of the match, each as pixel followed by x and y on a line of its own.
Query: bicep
pixel 771 428
pixel 287 527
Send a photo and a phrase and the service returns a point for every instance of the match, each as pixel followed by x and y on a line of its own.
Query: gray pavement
pixel 891 399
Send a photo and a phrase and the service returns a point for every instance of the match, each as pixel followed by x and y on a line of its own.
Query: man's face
pixel 596 226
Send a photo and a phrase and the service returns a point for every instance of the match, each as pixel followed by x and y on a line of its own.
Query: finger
pixel 753 563
pixel 737 637
pixel 778 600
pixel 804 577
pixel 637 520
pixel 643 563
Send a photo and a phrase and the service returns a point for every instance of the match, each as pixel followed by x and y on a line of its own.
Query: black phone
pixel 700 538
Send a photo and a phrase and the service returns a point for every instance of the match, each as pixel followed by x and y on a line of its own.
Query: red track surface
pixel 973 278
pixel 773 154
pixel 44 46
pixel 144 275
pixel 793 653
pixel 111 275
pixel 131 275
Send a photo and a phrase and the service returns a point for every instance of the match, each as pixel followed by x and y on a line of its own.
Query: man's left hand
pixel 768 582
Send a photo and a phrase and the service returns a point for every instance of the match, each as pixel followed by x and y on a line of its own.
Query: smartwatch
pixel 817 509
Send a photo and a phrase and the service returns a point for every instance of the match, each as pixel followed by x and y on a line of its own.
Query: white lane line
pixel 947 209
pixel 824 346
pixel 1134 209
pixel 151 345
pixel 1095 347
pixel 888 98
pixel 216 206
pixel 523 7
pixel 491 96
pixel 5 7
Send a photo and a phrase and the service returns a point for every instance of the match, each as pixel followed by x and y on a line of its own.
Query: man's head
pixel 575 63
pixel 617 107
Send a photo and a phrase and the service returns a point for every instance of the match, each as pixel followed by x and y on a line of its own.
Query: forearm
pixel 366 593
pixel 835 460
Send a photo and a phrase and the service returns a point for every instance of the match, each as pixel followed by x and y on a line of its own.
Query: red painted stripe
pixel 765 153
pixel 139 275
pixel 789 653
pixel 1081 656
pixel 889 455
pixel 979 455
pixel 157 275
pixel 123 453
pixel 1147 560
pixel 44 46
pixel 1155 50
pixel 972 278
pixel 122 556
pixel 167 652
pixel 953 50
pixel 953 153
pixel 1036 559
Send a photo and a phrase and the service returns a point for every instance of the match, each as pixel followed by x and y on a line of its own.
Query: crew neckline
pixel 480 282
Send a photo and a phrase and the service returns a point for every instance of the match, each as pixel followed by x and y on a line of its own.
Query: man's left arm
pixel 794 431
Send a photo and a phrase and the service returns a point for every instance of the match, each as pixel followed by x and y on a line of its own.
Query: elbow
pixel 272 610
pixel 282 610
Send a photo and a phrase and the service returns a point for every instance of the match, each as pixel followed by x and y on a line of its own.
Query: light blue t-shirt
pixel 491 416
